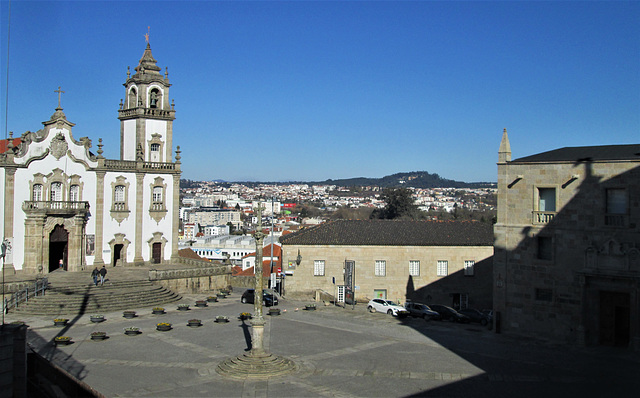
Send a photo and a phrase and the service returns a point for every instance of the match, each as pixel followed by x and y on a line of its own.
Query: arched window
pixel 133 98
pixel 56 192
pixel 74 193
pixel 157 194
pixel 154 98
pixel 37 192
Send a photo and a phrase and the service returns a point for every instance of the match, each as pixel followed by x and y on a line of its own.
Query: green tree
pixel 399 204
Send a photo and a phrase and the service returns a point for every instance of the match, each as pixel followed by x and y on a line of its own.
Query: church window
pixel 56 192
pixel 37 192
pixel 74 193
pixel 120 206
pixel 157 194
pixel 118 194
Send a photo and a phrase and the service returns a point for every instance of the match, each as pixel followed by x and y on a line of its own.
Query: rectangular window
pixel 157 194
pixel 381 268
pixel 468 267
pixel 546 199
pixel 37 192
pixel 616 201
pixel 617 207
pixel 545 248
pixel 56 192
pixel 74 193
pixel 318 268
pixel 414 268
pixel 118 194
pixel 443 268
pixel 544 294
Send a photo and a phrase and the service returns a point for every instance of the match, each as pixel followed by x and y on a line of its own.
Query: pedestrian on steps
pixel 94 275
pixel 103 272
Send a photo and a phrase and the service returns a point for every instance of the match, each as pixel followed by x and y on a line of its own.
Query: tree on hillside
pixel 399 204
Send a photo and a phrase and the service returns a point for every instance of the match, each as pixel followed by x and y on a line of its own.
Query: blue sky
pixel 282 91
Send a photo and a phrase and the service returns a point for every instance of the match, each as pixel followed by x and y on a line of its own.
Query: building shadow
pixel 568 319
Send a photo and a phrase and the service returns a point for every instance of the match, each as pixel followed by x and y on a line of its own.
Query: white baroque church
pixel 64 206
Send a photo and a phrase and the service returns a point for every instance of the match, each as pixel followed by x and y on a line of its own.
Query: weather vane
pixel 146 37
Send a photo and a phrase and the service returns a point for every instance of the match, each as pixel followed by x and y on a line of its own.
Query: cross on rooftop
pixel 60 92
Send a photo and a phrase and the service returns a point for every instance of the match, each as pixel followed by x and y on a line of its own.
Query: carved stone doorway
pixel 157 253
pixel 117 255
pixel 58 247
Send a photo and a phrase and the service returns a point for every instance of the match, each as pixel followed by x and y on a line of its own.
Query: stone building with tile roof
pixel 444 262
pixel 567 252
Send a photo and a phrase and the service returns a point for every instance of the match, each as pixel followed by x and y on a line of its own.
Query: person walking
pixel 94 275
pixel 103 272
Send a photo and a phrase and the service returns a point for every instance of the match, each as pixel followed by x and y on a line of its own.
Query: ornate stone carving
pixel 59 146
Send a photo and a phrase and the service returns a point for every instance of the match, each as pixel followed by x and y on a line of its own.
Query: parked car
pixel 449 314
pixel 268 299
pixel 476 316
pixel 387 306
pixel 419 310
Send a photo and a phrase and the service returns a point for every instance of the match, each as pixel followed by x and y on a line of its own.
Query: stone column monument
pixel 258 363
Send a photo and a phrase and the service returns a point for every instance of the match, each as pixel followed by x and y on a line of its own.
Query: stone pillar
pixel 257 323
pixel 137 257
pixel 9 188
pixel 99 219
pixel 34 244
pixel 175 214
pixel 75 259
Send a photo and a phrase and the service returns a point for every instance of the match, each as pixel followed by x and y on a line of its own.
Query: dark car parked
pixel 476 316
pixel 421 311
pixel 268 299
pixel 449 314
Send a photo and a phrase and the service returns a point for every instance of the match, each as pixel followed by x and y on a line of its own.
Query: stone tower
pixel 146 116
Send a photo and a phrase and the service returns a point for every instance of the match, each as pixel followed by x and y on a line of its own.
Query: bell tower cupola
pixel 146 115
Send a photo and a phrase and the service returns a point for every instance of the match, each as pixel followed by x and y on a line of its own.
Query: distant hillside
pixel 416 179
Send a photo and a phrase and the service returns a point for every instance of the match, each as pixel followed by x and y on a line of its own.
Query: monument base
pixel 256 366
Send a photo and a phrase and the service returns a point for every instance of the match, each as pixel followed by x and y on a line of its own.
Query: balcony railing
pixel 132 165
pixel 53 207
pixel 543 217
pixel 615 220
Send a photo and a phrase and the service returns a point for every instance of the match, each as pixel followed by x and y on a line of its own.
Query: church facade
pixel 66 207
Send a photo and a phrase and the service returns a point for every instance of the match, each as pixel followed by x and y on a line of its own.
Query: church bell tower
pixel 146 116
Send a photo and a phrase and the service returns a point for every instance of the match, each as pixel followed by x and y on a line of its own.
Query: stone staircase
pixel 73 293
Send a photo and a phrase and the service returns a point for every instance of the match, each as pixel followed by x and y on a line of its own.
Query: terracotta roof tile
pixel 394 233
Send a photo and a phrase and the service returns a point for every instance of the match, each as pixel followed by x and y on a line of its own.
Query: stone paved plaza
pixel 339 353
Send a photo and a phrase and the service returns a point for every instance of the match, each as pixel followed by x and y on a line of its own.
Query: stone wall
pixel 13 360
pixel 558 295
pixel 398 284
pixel 193 280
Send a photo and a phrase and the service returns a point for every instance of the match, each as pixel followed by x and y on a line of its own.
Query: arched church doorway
pixel 58 244
pixel 117 254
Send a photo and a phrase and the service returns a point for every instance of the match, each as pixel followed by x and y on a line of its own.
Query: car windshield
pixel 390 302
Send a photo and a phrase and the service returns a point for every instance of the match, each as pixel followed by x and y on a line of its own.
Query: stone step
pixel 71 293
pixel 46 307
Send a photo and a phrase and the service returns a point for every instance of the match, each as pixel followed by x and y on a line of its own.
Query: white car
pixel 387 306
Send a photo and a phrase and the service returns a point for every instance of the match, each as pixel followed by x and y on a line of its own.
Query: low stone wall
pixel 193 280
